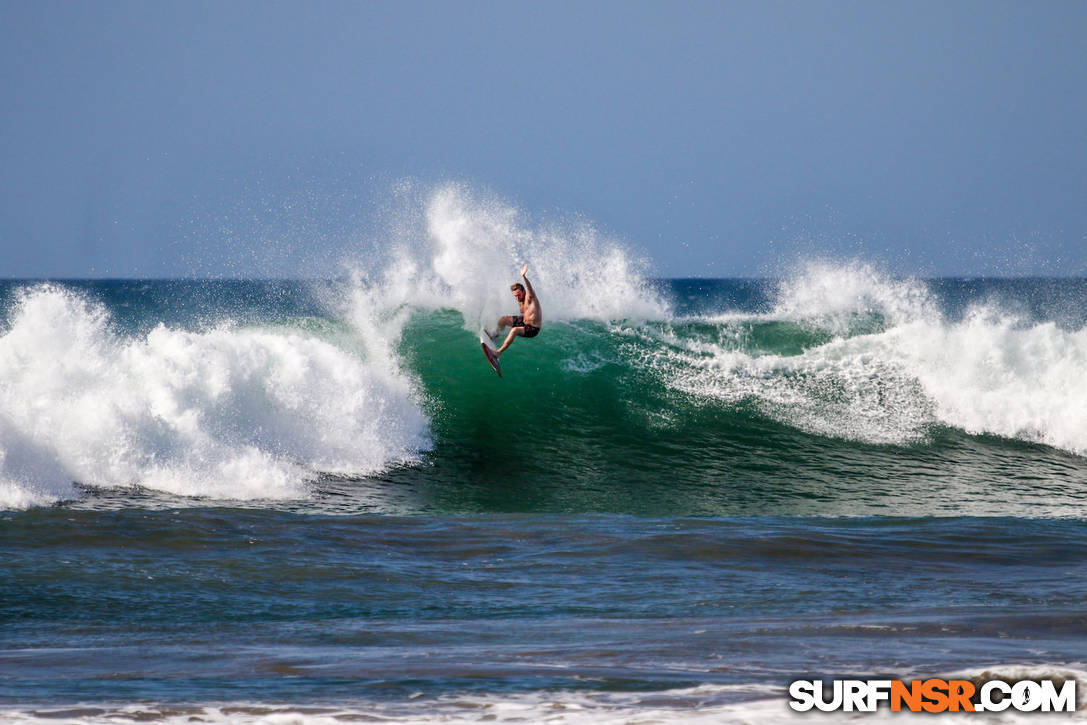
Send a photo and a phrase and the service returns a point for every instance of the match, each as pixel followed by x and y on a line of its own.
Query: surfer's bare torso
pixel 530 309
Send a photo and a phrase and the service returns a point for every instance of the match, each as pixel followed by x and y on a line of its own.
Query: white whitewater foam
pixel 994 374
pixel 29 474
pixel 226 413
pixel 988 372
pixel 838 390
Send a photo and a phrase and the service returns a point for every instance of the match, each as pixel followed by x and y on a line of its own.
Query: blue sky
pixel 717 138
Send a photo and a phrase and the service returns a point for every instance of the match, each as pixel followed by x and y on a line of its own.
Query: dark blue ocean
pixel 313 501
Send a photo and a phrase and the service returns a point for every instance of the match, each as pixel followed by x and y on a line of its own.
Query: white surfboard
pixel 488 351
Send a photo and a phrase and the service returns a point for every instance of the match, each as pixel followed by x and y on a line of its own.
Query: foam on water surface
pixel 748 704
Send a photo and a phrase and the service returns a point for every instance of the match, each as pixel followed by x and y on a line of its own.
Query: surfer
pixel 526 324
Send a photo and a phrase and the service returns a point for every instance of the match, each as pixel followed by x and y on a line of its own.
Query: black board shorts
pixel 530 330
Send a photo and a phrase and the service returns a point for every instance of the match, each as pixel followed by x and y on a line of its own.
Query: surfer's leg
pixel 514 332
pixel 503 322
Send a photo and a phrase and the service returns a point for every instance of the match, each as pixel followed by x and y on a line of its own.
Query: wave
pixel 631 379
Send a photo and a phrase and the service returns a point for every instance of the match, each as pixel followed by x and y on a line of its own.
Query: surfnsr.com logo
pixel 933 695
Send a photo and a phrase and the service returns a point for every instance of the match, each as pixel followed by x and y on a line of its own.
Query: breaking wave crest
pixel 229 412
pixel 849 352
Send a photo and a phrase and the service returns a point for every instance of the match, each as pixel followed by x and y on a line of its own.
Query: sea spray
pixel 456 248
pixel 832 294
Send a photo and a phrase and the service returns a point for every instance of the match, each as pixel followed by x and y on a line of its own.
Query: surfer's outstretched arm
pixel 528 285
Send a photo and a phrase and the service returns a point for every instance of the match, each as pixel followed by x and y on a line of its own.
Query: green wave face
pixel 749 415
pixel 572 418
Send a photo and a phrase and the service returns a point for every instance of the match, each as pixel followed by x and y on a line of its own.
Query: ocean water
pixel 313 501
